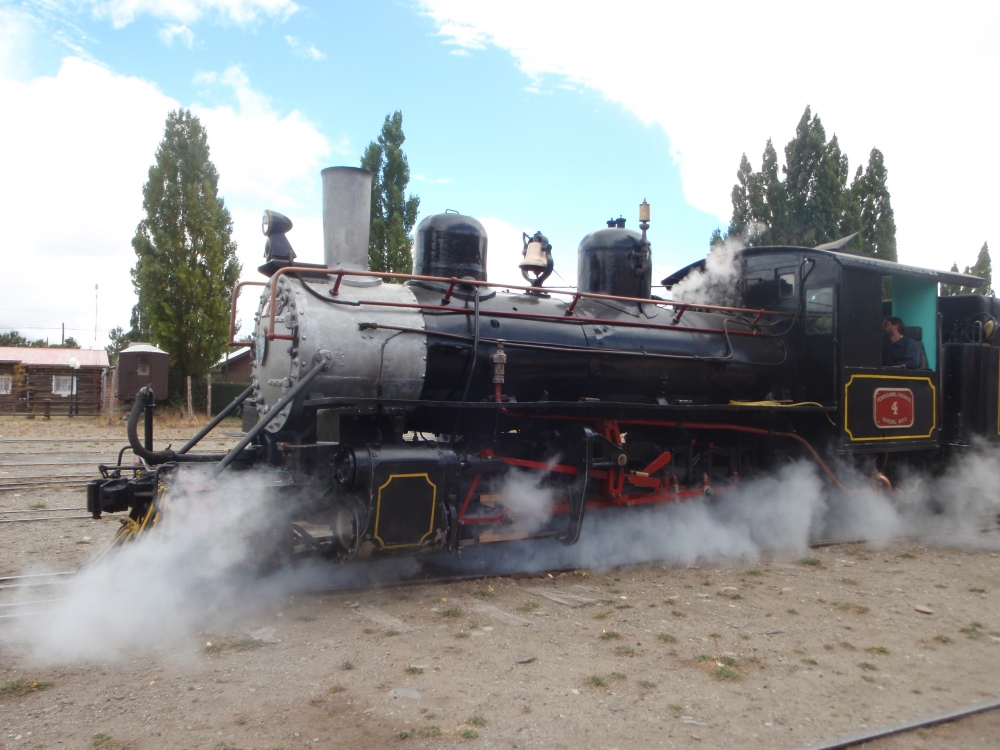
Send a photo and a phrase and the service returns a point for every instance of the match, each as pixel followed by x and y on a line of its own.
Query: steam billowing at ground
pixel 199 569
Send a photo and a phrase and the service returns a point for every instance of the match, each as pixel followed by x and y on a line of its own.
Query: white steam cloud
pixel 199 570
pixel 715 283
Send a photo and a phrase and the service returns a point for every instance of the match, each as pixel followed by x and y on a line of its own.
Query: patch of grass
pixel 975 590
pixel 849 646
pixel 369 631
pixel 305 618
pixel 624 651
pixel 917 692
pixel 103 741
pixel 792 611
pixel 677 613
pixel 483 593
pixel 811 662
pixel 335 689
pixel 414 670
pixel 811 561
pixel 347 666
pixel 703 657
pixel 849 581
pixel 468 734
pixel 609 635
pixel 860 609
pixel 867 678
pixel 715 635
pixel 243 644
pixel 725 673
pixel 667 638
pixel 726 661
pixel 596 681
pixel 753 572
pixel 462 634
pixel 38 506
pixel 735 596
pixel 943 639
pixel 877 650
pixel 404 734
pixel 619 676
pixel 451 612
pixel 972 630
pixel 476 720
pixel 529 606
pixel 707 582
pixel 17 688
pixel 623 606
pixel 907 555
pixel 646 684
pixel 602 615
pixel 867 665
pixel 430 731
pixel 391 633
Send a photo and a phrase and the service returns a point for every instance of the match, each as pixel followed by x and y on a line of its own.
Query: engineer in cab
pixel 898 349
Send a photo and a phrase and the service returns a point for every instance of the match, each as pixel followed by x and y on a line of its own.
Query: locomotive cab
pixel 839 302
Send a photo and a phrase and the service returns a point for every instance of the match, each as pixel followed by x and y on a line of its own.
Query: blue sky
pixel 527 115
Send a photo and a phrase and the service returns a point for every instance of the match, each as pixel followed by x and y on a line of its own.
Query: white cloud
pixel 720 78
pixel 75 160
pixel 177 30
pixel 123 12
pixel 310 52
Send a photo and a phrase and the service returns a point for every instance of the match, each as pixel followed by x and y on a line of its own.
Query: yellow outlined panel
pixel 882 438
pixel 378 509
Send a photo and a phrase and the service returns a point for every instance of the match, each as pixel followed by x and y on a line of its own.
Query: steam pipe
pixel 214 423
pixel 143 403
pixel 322 364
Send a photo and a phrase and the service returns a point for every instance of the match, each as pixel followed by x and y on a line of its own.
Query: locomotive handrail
pixel 232 310
pixel 340 273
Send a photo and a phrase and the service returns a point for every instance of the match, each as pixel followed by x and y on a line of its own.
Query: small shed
pixel 235 367
pixel 138 366
pixel 32 376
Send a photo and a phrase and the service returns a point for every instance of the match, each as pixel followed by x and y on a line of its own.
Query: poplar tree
pixel 393 214
pixel 982 268
pixel 186 264
pixel 813 204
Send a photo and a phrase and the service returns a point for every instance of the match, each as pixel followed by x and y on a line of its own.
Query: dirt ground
pixel 779 653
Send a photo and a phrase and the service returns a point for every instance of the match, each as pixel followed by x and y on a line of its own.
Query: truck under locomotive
pixel 402 413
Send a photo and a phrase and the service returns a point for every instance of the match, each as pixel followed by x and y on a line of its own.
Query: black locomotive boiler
pixel 403 413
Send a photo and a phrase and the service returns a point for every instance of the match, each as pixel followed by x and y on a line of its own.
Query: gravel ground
pixel 779 653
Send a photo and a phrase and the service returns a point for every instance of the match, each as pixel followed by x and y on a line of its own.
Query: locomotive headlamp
pixel 275 223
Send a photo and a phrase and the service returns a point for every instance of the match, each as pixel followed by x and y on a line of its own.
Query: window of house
pixel 820 310
pixel 6 385
pixel 786 285
pixel 63 385
pixel 142 366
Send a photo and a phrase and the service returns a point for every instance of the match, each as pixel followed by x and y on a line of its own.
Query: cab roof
pixel 846 260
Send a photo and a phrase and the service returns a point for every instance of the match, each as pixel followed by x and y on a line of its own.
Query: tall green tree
pixel 393 213
pixel 186 264
pixel 981 268
pixel 813 204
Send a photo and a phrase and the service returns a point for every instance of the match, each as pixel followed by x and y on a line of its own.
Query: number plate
pixel 893 408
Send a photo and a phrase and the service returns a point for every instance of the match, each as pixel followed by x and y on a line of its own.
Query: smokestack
pixel 347 202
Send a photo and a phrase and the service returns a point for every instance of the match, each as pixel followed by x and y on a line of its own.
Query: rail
pixel 340 273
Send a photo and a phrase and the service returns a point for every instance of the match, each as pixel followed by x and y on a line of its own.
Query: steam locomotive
pixel 407 413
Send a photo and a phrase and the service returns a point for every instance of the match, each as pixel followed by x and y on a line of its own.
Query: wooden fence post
pixel 190 412
pixel 208 396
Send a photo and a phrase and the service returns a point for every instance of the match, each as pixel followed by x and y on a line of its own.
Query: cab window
pixel 820 312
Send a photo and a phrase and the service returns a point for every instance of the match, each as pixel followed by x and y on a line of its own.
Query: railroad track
pixel 856 740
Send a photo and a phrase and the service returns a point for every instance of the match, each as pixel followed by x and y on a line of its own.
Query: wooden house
pixel 38 380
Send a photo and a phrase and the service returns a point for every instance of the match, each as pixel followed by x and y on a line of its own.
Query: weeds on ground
pixel 943 639
pixel 529 606
pixel 431 731
pixel 972 630
pixel 483 593
pixel 811 561
pixel 867 665
pixel 38 506
pixel 646 684
pixel 404 734
pixel 976 590
pixel 347 666
pixel 243 644
pixel 335 689
pixel 476 720
pixel 877 650
pixel 17 688
pixel 624 651
pixel 609 635
pixel 468 734
pixel 453 612
pixel 103 741
pixel 849 581
pixel 391 633
pixel 413 669
pixel 619 676
pixel 667 638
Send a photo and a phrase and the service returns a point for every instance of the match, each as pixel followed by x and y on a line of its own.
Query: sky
pixel 529 115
